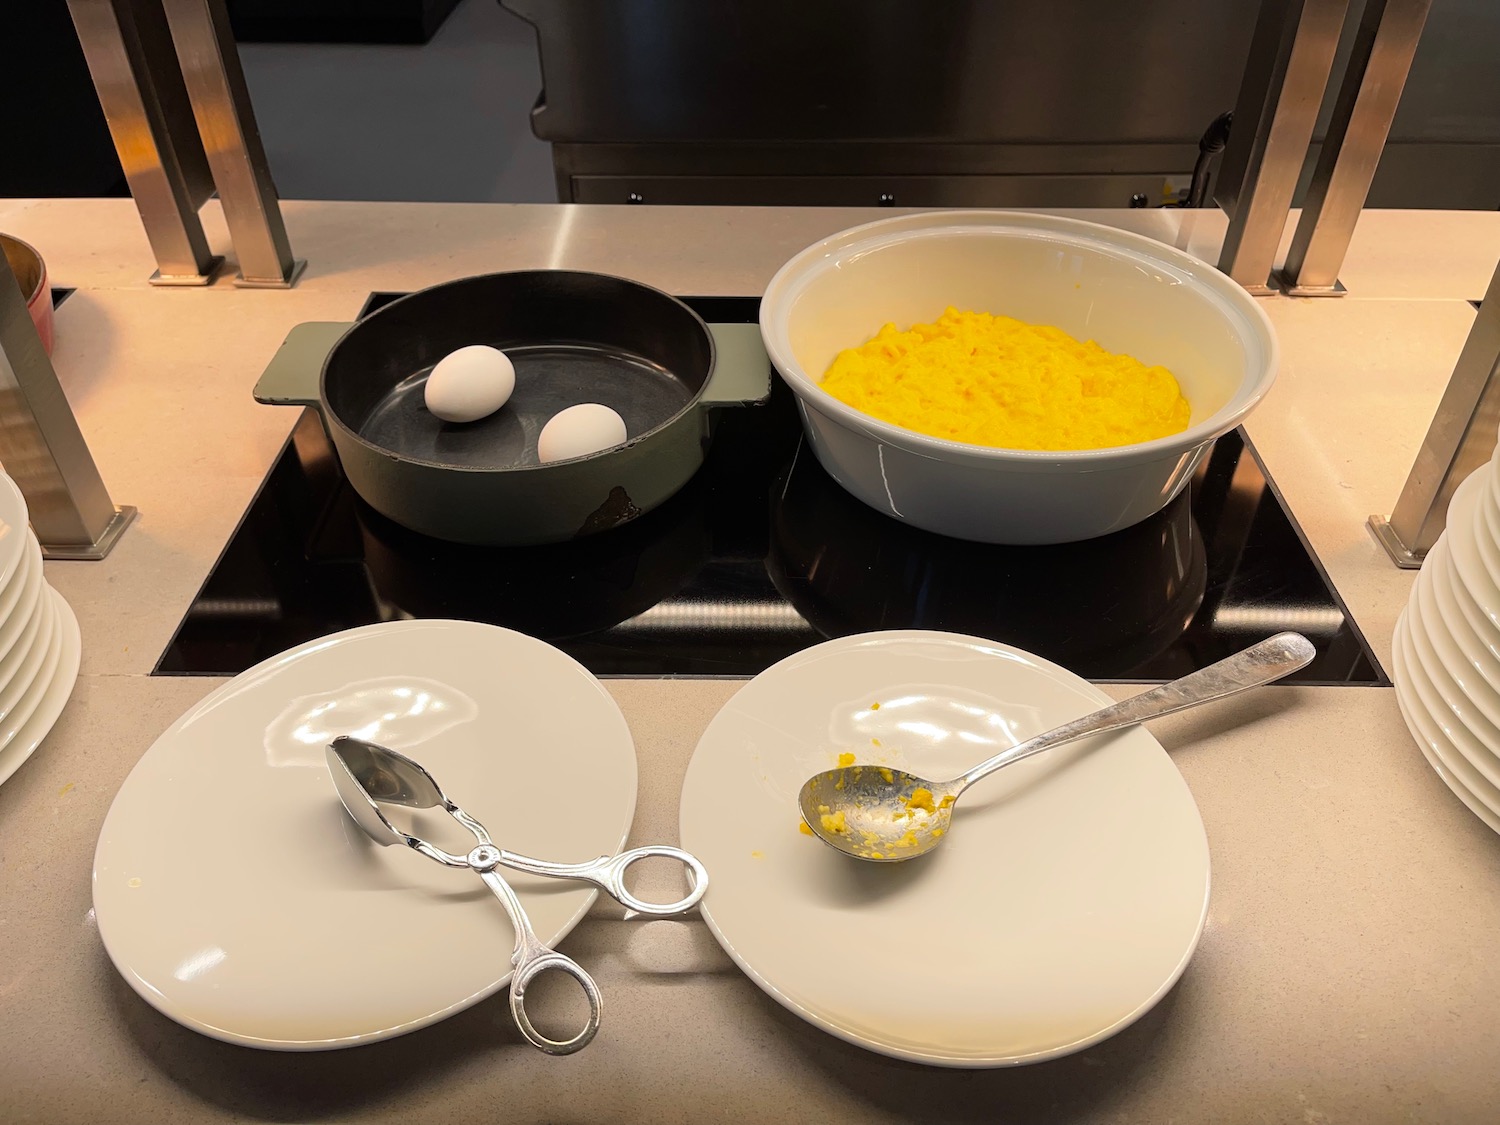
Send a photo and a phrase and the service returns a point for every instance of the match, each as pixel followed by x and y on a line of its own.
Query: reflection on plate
pixel 235 895
pixel 1066 902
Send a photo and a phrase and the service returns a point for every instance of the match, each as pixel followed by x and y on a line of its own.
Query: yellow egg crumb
pixel 887 775
pixel 846 759
pixel 874 707
pixel 874 742
pixel 996 381
pixel 839 784
pixel 757 855
pixel 908 840
pixel 946 801
pixel 921 798
pixel 834 822
pixel 803 828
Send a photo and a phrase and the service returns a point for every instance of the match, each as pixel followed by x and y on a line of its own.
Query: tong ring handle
pixel 608 874
pixel 532 958
pixel 532 964
pixel 612 879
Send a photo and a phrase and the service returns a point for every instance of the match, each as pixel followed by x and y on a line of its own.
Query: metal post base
pixel 93 552
pixel 1260 289
pixel 1400 553
pixel 298 265
pixel 1291 288
pixel 175 280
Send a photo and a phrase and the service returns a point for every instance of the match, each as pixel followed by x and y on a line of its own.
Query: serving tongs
pixel 367 775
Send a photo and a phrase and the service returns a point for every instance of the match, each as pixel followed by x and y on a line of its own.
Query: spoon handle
pixel 1259 664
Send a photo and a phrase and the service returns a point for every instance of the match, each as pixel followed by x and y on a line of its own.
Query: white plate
pixel 1489 504
pixel 29 723
pixel 1481 652
pixel 1429 738
pixel 1065 903
pixel 20 667
pixel 13 527
pixel 1492 481
pixel 235 894
pixel 1473 571
pixel 1449 705
pixel 20 589
pixel 1485 536
pixel 1481 626
pixel 21 597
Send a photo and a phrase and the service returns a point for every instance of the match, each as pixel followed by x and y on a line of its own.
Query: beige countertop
pixel 1347 973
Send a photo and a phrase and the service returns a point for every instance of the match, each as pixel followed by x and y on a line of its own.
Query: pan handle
pixel 291 378
pixel 742 370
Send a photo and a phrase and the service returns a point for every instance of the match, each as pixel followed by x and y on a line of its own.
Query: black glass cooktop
pixel 761 555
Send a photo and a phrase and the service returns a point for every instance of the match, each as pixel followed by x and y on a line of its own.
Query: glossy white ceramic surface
pixel 19 590
pixel 28 723
pixel 1130 293
pixel 1462 536
pixel 1441 602
pixel 14 531
pixel 235 894
pixel 1446 762
pixel 1453 708
pixel 20 598
pixel 1066 902
pixel 23 663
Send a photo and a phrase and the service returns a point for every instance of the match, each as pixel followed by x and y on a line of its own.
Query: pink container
pixel 31 272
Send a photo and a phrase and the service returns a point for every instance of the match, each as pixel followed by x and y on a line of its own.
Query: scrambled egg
pixel 846 759
pixel 921 798
pixel 997 381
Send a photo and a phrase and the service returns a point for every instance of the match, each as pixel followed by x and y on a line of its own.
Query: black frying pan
pixel 573 337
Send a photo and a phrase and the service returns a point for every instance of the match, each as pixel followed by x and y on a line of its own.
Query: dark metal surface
pixel 969 103
pixel 761 555
pixel 908 70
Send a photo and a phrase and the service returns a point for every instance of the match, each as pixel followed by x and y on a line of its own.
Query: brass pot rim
pixel 30 269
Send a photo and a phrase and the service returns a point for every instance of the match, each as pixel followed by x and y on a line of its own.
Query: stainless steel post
pixel 134 67
pixel 221 103
pixel 1286 75
pixel 1461 439
pixel 1378 66
pixel 41 446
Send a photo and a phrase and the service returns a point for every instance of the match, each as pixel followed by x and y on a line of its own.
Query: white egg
pixel 578 431
pixel 470 383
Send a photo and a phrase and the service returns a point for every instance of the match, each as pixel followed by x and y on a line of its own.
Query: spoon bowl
pixel 887 815
pixel 878 812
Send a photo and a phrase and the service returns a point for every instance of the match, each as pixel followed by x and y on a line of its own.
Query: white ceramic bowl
pixel 1128 292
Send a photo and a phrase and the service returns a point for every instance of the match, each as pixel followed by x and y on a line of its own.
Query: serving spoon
pixel 888 815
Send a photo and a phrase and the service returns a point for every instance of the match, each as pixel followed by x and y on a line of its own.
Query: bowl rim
pixel 39 263
pixel 1231 298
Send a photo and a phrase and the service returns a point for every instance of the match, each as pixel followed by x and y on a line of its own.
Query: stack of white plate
pixel 39 641
pixel 1447 648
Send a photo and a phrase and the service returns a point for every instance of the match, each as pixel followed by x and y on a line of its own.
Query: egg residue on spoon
pixel 470 383
pixel 578 431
